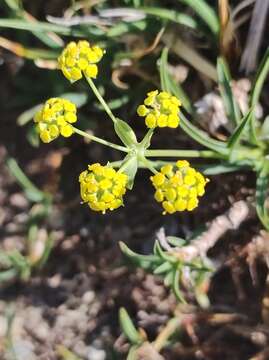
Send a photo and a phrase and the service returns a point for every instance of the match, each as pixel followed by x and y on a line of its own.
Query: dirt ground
pixel 73 301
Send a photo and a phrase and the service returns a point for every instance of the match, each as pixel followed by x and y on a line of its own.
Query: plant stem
pixel 170 328
pixel 101 99
pixel 148 164
pixel 183 153
pixel 99 140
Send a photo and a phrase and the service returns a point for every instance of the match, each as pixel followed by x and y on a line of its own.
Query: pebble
pixel 95 354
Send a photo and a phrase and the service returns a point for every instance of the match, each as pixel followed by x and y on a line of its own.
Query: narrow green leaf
pixel 169 84
pixel 168 279
pixel 176 241
pixel 40 27
pixel 230 104
pixel 206 13
pixel 260 79
pixel 201 137
pixel 197 134
pixel 30 189
pixel 235 138
pixel 129 167
pixel 145 261
pixel 28 115
pixel 176 283
pixel 163 268
pixel 128 327
pixel 125 133
pixel 262 194
pixel 170 15
pixel 162 254
pixel 257 88
pixel 216 169
pixel 145 143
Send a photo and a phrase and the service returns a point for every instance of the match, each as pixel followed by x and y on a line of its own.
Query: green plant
pixel 13 264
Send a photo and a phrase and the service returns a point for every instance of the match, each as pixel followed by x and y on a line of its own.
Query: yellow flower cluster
pixel 78 58
pixel 55 118
pixel 102 187
pixel 178 188
pixel 160 109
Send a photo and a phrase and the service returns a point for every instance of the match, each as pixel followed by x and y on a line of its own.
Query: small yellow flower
pixel 179 187
pixel 78 58
pixel 55 118
pixel 102 187
pixel 160 109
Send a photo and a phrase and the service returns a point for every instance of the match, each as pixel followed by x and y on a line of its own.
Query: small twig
pixel 232 219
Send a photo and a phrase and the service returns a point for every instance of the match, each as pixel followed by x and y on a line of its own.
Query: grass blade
pixel 206 13
pixel 238 133
pixel 171 15
pixel 261 195
pixel 224 78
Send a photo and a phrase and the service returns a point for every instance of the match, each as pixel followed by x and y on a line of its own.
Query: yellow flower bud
pixel 160 110
pixel 80 58
pixel 178 187
pixel 55 118
pixel 102 187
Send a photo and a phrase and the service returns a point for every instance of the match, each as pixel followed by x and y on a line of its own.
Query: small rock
pixel 88 297
pixel 95 354
pixel 18 200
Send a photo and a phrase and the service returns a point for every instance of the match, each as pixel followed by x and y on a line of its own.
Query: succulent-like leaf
pixel 176 283
pixel 128 327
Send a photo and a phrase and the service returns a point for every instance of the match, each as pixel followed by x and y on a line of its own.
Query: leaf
pixel 197 134
pixel 40 27
pixel 163 268
pixel 238 133
pixel 79 99
pixel 261 195
pixel 257 88
pixel 128 327
pixel 145 261
pixel 28 115
pixel 260 79
pixel 162 254
pixel 175 241
pixel 170 15
pixel 145 143
pixel 217 169
pixel 32 192
pixel 264 131
pixel 230 104
pixel 129 167
pixel 125 133
pixel 176 282
pixel 168 280
pixel 169 84
pixel 201 137
pixel 206 13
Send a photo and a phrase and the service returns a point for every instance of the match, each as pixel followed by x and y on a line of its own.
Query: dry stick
pixel 231 220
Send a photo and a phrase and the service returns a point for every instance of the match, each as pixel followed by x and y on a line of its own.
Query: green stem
pixel 99 140
pixel 101 99
pixel 183 153
pixel 148 164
